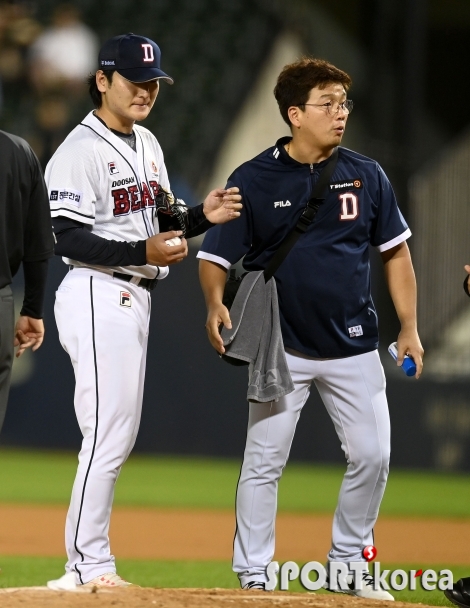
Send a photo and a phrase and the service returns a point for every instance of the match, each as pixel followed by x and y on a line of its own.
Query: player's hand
pixel 408 343
pixel 29 333
pixel 221 206
pixel 217 315
pixel 160 254
pixel 467 269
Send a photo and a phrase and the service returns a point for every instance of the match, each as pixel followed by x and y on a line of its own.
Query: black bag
pixel 308 215
pixel 231 287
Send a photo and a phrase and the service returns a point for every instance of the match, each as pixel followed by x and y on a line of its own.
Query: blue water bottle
pixel 408 365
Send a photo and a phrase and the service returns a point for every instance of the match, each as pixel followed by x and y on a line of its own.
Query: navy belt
pixel 147 284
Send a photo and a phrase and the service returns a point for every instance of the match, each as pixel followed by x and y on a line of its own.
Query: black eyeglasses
pixel 332 107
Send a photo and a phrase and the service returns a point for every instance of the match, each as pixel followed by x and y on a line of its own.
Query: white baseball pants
pixel 353 392
pixel 106 339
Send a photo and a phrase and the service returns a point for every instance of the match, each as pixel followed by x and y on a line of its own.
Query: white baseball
pixel 173 242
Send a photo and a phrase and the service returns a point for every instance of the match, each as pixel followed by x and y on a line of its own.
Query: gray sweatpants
pixel 353 391
pixel 7 328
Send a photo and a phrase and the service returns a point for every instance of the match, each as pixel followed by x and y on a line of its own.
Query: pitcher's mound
pixel 41 597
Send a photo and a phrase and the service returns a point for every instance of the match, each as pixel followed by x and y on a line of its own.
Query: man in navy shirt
pixel 328 318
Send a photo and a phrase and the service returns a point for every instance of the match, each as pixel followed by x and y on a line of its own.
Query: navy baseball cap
pixel 135 57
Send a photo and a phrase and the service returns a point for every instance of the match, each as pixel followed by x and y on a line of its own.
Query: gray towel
pixel 256 337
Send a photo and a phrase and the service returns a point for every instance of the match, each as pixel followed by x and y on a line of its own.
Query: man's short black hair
pixel 297 80
pixel 93 89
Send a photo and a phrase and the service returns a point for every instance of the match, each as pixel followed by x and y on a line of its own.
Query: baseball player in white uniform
pixel 105 183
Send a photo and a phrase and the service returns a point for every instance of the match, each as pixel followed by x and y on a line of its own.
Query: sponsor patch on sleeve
pixel 346 184
pixel 67 196
pixel 355 331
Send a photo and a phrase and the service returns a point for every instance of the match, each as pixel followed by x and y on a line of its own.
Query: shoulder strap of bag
pixel 317 198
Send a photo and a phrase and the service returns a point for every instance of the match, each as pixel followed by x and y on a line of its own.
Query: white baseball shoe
pixel 368 591
pixel 64 583
pixel 108 580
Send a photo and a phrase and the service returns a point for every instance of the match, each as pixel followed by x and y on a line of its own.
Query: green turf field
pixel 46 478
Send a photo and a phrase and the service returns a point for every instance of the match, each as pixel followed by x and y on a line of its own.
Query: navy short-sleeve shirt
pixel 323 285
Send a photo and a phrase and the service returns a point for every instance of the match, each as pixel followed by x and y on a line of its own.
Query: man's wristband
pixel 29 312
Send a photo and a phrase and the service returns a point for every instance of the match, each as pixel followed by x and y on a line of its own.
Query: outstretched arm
pixel 212 278
pixel 401 282
pixel 221 206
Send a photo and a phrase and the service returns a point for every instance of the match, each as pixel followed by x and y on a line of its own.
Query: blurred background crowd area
pixel 409 63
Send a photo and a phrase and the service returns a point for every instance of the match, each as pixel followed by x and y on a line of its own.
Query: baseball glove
pixel 171 212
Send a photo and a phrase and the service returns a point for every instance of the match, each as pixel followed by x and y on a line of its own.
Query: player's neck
pixel 306 152
pixel 113 121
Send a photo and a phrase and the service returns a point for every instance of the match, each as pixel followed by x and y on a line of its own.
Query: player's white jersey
pixel 97 179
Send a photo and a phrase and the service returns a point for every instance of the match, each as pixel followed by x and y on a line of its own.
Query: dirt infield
pixel 182 598
pixel 203 534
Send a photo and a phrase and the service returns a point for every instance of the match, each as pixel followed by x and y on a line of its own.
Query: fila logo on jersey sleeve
pixel 148 52
pixel 282 204
pixel 349 206
pixel 126 299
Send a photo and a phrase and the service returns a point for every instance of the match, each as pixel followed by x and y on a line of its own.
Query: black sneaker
pixel 460 594
pixel 255 585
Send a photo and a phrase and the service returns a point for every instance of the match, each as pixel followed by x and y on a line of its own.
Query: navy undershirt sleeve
pixel 75 241
pixel 35 274
pixel 196 221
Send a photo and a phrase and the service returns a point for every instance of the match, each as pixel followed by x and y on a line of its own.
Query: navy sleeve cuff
pixel 197 222
pixel 35 275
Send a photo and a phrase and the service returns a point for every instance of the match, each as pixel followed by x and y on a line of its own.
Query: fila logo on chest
pixel 282 204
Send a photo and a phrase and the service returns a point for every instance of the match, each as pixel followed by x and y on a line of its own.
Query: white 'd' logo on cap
pixel 148 52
